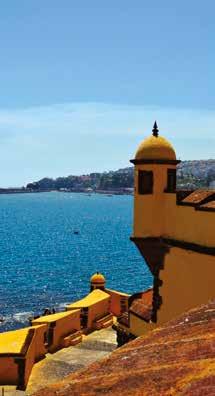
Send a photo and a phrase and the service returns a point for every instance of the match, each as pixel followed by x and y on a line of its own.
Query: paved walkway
pixel 58 365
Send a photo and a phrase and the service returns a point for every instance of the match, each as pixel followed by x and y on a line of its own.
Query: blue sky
pixel 82 83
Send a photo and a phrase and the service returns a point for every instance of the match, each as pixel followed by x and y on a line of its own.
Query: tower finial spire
pixel 155 130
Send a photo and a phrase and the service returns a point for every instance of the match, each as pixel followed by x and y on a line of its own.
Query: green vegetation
pixel 190 175
pixel 108 181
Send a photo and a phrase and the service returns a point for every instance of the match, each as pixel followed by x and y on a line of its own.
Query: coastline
pixel 29 191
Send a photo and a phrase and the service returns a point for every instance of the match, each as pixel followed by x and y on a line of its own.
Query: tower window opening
pixel 171 180
pixel 145 182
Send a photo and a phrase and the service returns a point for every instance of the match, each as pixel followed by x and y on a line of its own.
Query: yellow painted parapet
pixel 188 280
pixel 93 307
pixel 59 326
pixel 118 302
pixel 19 350
pixel 13 341
pixel 92 298
pixel 138 326
pixel 185 223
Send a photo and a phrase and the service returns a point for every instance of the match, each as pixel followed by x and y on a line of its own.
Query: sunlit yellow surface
pixel 13 341
pixel 118 302
pixel 53 317
pixel 186 275
pixel 94 297
pixel 119 293
pixel 97 278
pixel 155 148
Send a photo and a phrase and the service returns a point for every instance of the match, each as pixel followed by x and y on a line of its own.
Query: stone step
pixel 107 324
pixel 104 323
pixel 104 318
pixel 72 339
pixel 76 341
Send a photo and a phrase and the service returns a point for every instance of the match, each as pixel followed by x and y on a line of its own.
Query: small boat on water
pixel 76 232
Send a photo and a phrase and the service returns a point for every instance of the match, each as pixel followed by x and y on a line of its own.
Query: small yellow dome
pixel 97 278
pixel 155 147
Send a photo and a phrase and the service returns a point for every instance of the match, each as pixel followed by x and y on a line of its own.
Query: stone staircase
pixel 124 319
pixel 72 339
pixel 104 322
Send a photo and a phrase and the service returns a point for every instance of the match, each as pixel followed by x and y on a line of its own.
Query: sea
pixel 51 244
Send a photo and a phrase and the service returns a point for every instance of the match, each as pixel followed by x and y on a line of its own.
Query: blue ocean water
pixel 44 264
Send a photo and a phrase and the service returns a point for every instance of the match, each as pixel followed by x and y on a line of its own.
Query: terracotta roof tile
pixel 199 196
pixel 177 358
pixel 142 306
pixel 209 205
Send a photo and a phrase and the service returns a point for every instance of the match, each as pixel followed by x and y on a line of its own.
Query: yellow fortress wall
pixel 137 326
pixel 158 214
pixel 118 302
pixel 175 236
pixel 9 373
pixel 59 325
pixel 188 224
pixel 19 350
pixel 93 307
pixel 149 209
pixel 35 351
pixel 188 280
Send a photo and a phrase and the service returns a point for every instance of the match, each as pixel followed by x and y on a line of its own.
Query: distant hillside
pixel 194 174
pixel 190 174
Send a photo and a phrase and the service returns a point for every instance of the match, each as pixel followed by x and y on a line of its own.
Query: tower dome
pixel 155 147
pixel 97 281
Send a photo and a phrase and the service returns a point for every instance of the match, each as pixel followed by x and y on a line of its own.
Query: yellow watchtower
pixel 155 177
pixel 175 233
pixel 97 281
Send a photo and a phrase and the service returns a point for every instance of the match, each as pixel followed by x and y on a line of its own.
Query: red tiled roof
pixel 177 358
pixel 210 204
pixel 142 305
pixel 199 196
